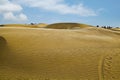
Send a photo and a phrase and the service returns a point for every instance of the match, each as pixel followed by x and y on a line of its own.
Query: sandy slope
pixel 53 54
pixel 41 25
pixel 116 29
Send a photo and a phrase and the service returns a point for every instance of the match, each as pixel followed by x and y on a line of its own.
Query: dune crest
pixel 67 26
pixel 41 25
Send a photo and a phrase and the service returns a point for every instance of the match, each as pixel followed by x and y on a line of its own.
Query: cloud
pixel 10 16
pixel 8 10
pixel 9 7
pixel 59 6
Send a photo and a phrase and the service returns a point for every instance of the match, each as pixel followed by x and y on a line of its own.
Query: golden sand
pixel 59 54
pixel 41 25
pixel 116 29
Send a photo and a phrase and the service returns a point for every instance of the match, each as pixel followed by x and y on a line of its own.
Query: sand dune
pixel 116 29
pixel 68 26
pixel 59 54
pixel 42 25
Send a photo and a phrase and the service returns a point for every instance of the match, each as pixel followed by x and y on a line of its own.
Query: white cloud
pixel 8 10
pixel 10 7
pixel 22 17
pixel 11 16
pixel 59 6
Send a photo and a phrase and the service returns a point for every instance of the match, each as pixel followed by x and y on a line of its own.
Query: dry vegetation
pixel 85 53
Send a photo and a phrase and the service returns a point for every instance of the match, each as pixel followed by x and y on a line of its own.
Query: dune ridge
pixel 41 25
pixel 59 54
pixel 67 26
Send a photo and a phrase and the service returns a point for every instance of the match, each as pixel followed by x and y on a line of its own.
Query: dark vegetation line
pixel 2 25
pixel 106 27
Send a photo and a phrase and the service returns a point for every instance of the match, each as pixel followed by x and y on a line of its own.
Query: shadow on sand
pixel 3 47
pixel 3 43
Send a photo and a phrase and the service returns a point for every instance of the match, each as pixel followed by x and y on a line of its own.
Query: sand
pixel 41 25
pixel 59 54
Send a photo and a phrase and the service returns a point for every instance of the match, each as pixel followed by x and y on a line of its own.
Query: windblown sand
pixel 59 54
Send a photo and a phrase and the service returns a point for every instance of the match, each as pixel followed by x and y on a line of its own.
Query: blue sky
pixel 93 12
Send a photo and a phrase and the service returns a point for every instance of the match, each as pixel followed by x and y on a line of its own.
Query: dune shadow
pixel 3 46
pixel 3 42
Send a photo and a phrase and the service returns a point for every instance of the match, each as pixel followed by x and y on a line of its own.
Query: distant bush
pixel 2 25
pixel 32 23
pixel 97 26
pixel 106 27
